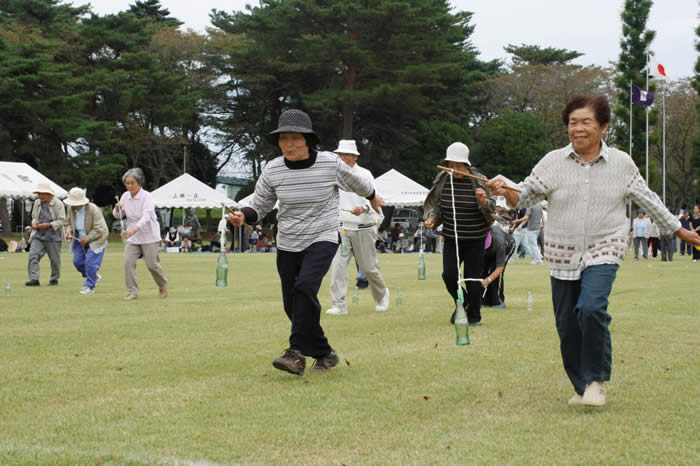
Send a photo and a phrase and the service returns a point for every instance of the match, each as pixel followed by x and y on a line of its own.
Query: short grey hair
pixel 136 174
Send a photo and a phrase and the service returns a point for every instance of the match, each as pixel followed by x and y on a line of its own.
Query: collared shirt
pixel 349 200
pixel 80 223
pixel 139 211
pixel 639 231
pixel 587 223
pixel 45 216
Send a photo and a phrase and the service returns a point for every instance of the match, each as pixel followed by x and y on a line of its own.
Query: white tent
pixel 399 190
pixel 19 180
pixel 186 191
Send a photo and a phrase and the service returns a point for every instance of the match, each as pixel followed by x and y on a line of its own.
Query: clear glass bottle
pixel 356 296
pixel 529 301
pixel 461 325
pixel 399 298
pixel 8 288
pixel 222 269
pixel 421 266
pixel 344 244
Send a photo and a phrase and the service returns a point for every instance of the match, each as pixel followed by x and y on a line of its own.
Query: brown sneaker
pixel 291 361
pixel 130 296
pixel 163 292
pixel 325 363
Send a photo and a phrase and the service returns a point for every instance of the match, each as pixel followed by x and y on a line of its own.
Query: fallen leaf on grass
pixel 426 397
pixel 500 395
pixel 347 362
pixel 446 447
pixel 435 346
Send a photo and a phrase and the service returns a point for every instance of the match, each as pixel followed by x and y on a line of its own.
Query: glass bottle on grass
pixel 222 269
pixel 461 322
pixel 344 244
pixel 421 265
pixel 356 296
pixel 8 288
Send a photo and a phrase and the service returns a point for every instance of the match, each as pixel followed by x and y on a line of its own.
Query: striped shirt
pixel 587 223
pixel 470 221
pixel 307 192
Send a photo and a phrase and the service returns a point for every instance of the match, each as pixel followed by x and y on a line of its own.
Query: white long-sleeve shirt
pixel 139 211
pixel 350 200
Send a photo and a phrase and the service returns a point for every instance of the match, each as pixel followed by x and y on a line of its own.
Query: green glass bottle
pixel 356 296
pixel 421 266
pixel 222 269
pixel 344 244
pixel 461 325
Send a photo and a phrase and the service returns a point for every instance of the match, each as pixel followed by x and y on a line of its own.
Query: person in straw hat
pixel 48 221
pixel 466 209
pixel 360 228
pixel 89 233
pixel 306 184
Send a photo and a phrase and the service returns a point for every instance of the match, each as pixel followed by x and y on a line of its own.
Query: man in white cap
pixel 360 234
pixel 89 233
pixel 48 220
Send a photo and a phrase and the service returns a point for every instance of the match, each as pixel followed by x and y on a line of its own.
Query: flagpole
pixel 629 201
pixel 663 137
pixel 646 112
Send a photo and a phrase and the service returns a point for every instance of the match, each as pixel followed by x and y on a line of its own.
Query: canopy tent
pixel 186 191
pixel 19 180
pixel 399 190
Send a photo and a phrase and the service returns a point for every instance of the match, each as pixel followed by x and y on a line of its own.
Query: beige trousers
pixel 362 247
pixel 150 252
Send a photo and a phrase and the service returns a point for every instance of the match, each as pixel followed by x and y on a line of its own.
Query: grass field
pixel 90 379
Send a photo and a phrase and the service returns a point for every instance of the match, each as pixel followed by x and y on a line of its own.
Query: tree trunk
pixel 5 217
pixel 348 110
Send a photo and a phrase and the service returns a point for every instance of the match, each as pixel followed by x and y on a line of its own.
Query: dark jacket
pixel 431 207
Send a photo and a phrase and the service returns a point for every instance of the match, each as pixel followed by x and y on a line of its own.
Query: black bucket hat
pixel 294 121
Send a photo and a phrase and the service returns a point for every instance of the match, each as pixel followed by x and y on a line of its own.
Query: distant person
pixel 357 219
pixel 48 221
pixel 143 234
pixel 641 230
pixel 89 234
pixel 587 184
pixel 695 224
pixel 496 255
pixel 308 230
pixel 192 222
pixel 172 238
pixel 685 223
pixel 654 238
pixel 534 225
pixel 467 201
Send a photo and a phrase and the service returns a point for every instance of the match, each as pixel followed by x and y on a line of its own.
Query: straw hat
pixel 45 188
pixel 76 197
pixel 347 146
pixel 293 121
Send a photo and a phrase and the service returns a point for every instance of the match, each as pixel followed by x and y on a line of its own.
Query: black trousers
pixel 471 254
pixel 301 274
pixel 495 292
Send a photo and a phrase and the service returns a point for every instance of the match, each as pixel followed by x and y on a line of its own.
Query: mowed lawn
pixel 189 380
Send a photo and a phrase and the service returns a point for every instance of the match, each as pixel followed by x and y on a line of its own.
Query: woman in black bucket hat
pixel 306 183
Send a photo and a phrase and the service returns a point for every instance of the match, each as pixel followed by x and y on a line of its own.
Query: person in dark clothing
pixel 695 224
pixel 456 197
pixel 496 256
pixel 685 223
pixel 308 230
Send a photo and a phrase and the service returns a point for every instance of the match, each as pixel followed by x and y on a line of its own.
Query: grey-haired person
pixel 586 185
pixel 142 235
pixel 89 234
pixel 48 222
pixel 306 184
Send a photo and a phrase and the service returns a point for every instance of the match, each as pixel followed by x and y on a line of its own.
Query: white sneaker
pixel 594 394
pixel 383 305
pixel 87 290
pixel 576 400
pixel 337 311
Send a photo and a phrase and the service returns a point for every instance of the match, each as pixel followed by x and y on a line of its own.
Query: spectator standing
pixel 534 224
pixel 48 221
pixel 685 223
pixel 654 240
pixel 641 229
pixel 695 224
pixel 192 222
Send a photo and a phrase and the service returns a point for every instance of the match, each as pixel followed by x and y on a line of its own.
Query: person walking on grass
pixel 48 221
pixel 142 236
pixel 586 184
pixel 306 183
pixel 89 233
pixel 358 221
pixel 641 230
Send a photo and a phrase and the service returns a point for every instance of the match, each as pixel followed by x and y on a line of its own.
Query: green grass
pixel 92 379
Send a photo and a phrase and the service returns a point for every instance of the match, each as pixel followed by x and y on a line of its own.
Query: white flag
pixel 656 69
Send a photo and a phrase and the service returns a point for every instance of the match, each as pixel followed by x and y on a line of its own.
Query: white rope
pixel 454 219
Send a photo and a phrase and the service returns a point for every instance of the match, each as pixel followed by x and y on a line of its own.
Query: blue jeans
pixel 581 313
pixel 530 242
pixel 87 262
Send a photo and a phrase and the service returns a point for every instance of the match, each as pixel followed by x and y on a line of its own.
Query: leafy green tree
pixel 152 11
pixel 510 145
pixel 535 55
pixel 634 48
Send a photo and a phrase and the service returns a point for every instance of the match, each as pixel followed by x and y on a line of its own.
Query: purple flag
pixel 641 97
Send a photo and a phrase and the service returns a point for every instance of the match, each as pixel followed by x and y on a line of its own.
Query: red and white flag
pixel 656 69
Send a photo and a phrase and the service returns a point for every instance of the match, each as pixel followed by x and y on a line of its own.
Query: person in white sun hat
pixel 48 221
pixel 466 210
pixel 358 223
pixel 89 233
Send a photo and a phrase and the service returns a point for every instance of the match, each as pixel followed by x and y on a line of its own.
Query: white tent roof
pixel 19 180
pixel 186 191
pixel 400 190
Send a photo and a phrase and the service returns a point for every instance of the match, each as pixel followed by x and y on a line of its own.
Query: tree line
pixel 85 96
